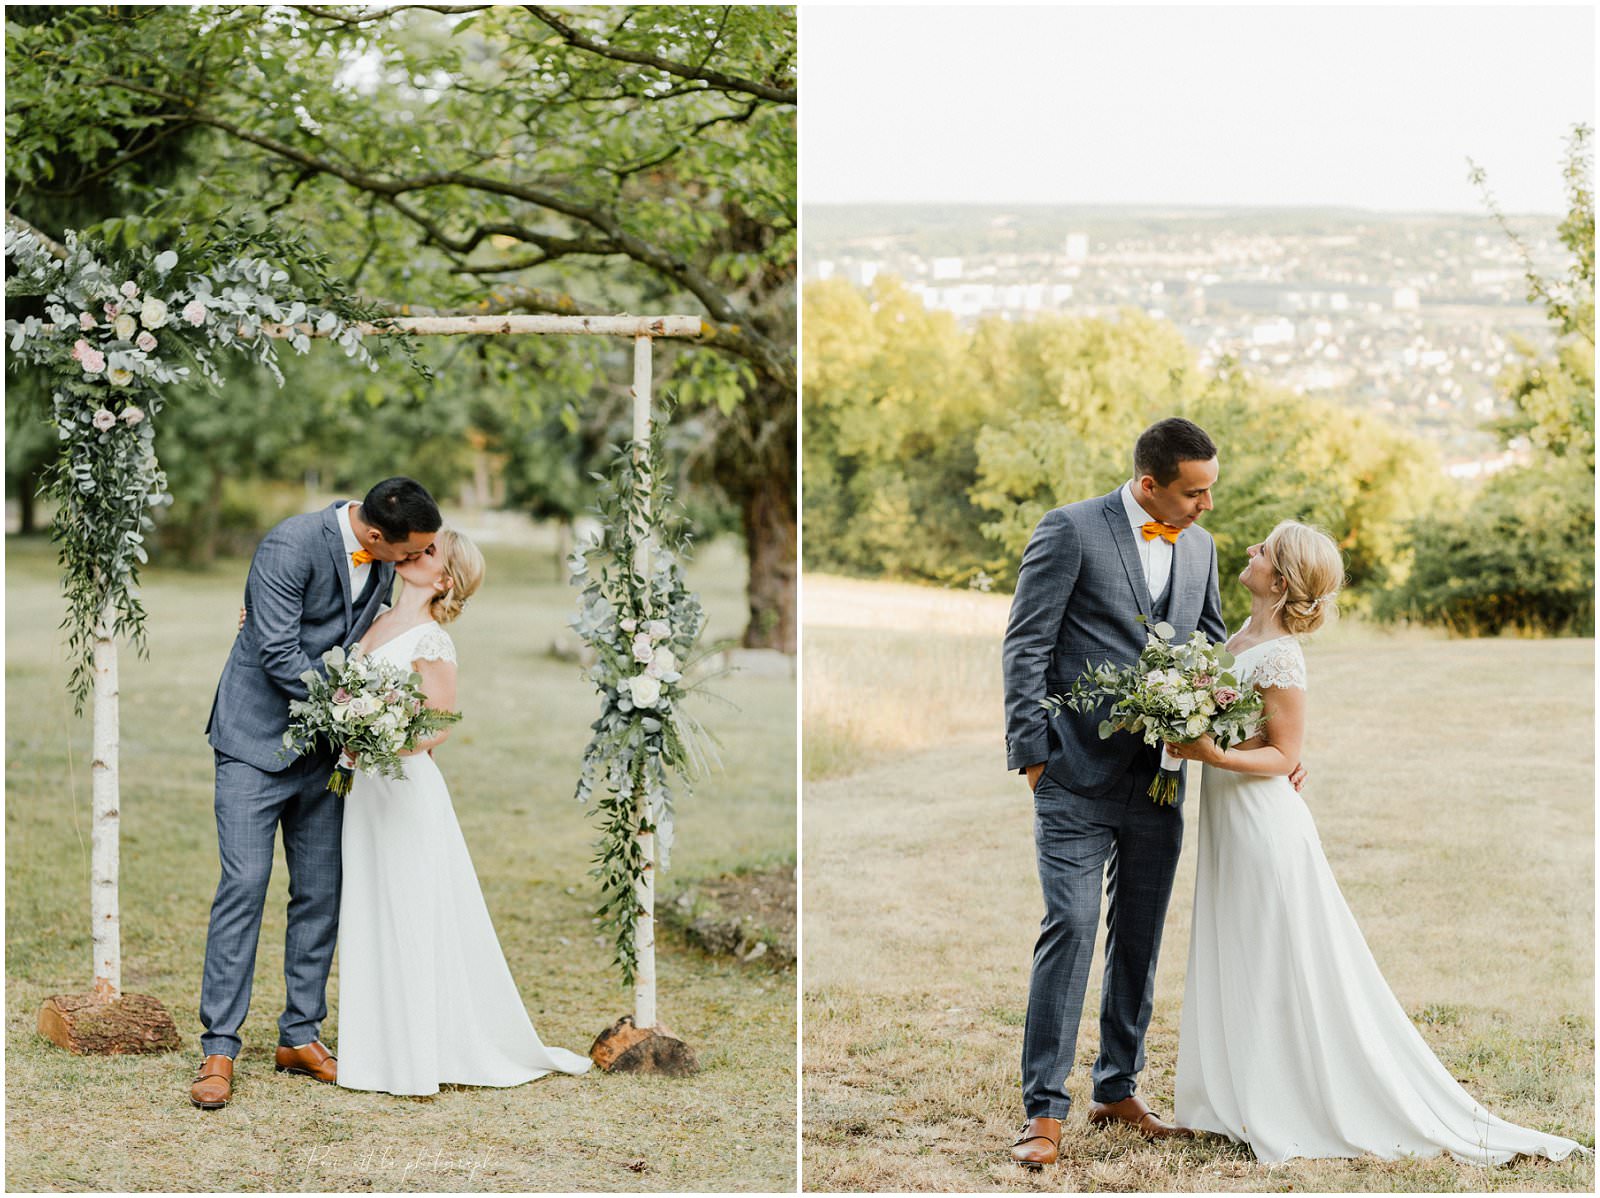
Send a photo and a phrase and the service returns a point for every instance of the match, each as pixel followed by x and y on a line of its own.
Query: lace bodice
pixel 1278 662
pixel 425 642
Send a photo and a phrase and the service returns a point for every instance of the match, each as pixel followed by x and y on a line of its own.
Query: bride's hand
pixel 1204 751
pixel 241 619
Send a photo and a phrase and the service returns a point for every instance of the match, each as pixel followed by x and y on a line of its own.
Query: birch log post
pixel 641 1043
pixel 644 928
pixel 105 1020
pixel 104 904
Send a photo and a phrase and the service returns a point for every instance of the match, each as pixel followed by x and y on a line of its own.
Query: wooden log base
pixel 624 1048
pixel 94 1026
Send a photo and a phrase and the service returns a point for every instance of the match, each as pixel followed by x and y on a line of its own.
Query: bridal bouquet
pixel 371 707
pixel 1172 694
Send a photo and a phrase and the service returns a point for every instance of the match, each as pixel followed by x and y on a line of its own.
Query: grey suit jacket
pixel 299 606
pixel 1079 591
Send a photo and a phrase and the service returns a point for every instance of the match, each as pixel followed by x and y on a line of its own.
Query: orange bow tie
pixel 360 557
pixel 1154 528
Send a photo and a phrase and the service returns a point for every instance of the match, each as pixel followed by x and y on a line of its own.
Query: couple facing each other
pixel 425 995
pixel 1290 1040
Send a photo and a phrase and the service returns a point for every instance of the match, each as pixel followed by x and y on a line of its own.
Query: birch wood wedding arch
pixel 62 1022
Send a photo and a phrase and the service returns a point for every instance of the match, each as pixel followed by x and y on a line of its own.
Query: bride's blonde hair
pixel 463 565
pixel 1312 569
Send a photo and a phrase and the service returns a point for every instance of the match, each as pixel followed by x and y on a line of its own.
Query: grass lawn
pixel 76 1123
pixel 1462 838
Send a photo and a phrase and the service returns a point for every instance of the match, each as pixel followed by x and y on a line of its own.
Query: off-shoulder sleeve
pixel 434 645
pixel 1282 665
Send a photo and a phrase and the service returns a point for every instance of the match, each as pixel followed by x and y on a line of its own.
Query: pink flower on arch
pixel 93 361
pixel 194 312
pixel 104 419
pixel 146 341
pixel 79 348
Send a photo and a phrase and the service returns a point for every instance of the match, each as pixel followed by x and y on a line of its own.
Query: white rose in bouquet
pixel 643 650
pixel 363 705
pixel 662 664
pixel 644 690
pixel 125 327
pixel 659 629
pixel 154 313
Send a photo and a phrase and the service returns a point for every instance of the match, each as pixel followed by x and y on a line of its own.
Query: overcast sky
pixel 1375 107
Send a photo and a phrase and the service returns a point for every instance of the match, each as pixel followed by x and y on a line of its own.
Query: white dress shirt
pixel 1156 553
pixel 358 574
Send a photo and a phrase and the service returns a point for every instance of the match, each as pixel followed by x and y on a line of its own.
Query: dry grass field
pixel 1463 839
pixel 126 1124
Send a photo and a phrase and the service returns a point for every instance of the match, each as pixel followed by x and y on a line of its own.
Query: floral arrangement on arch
pixel 118 330
pixel 642 629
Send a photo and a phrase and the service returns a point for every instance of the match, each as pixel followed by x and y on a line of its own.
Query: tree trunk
pixel 205 543
pixel 771 538
pixel 27 511
pixel 89 1025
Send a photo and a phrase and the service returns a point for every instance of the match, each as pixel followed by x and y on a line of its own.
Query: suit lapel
pixel 1128 550
pixel 341 561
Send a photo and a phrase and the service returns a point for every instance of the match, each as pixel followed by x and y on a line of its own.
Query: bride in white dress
pixel 425 996
pixel 1290 1039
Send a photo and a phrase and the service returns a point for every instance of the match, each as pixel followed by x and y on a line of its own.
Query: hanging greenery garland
pixel 118 330
pixel 642 628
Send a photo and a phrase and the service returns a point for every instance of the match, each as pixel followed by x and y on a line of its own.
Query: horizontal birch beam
pixel 455 326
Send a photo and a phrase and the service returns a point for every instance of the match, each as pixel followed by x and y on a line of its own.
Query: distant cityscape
pixel 1410 316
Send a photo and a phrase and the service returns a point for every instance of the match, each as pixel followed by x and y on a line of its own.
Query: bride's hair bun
pixel 463 565
pixel 1312 569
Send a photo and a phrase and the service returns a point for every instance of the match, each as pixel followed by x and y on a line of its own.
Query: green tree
pixel 495 159
pixel 1069 396
pixel 932 452
pixel 1519 557
pixel 1553 396
pixel 892 410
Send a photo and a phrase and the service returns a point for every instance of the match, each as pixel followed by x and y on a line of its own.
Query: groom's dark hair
pixel 1165 444
pixel 398 507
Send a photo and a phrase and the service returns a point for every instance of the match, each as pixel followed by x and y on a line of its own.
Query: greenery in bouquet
pixel 370 708
pixel 1173 694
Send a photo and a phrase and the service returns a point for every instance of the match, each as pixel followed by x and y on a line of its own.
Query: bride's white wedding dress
pixel 1290 1040
pixel 425 995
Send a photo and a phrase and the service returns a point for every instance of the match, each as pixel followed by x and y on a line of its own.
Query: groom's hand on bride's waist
pixel 1297 776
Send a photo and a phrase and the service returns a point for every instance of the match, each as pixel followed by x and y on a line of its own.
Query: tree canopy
pixel 473 158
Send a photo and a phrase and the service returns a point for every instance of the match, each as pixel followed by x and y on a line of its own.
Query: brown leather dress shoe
pixel 313 1060
pixel 1135 1114
pixel 213 1086
pixel 1039 1144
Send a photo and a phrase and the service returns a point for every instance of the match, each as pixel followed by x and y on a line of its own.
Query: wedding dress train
pixel 1290 1040
pixel 425 995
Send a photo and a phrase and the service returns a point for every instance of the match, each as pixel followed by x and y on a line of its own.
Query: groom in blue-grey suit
pixel 1089 571
pixel 316 581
